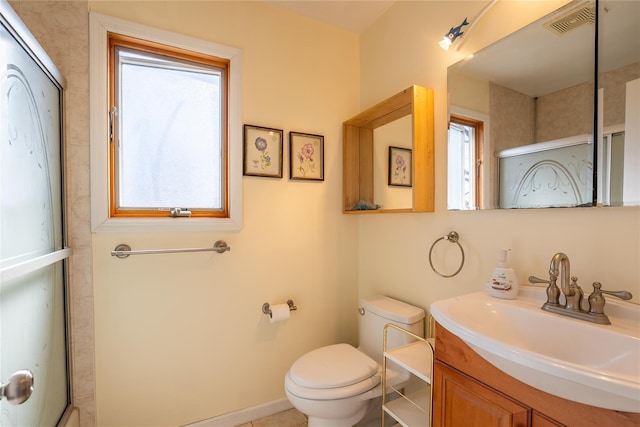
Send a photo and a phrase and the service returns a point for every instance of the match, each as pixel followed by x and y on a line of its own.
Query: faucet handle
pixel 534 279
pixel 625 295
pixel 553 293
pixel 596 299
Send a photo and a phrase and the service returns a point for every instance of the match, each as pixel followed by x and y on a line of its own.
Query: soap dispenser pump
pixel 503 282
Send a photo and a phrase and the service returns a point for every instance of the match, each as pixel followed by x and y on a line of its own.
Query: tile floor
pixel 290 418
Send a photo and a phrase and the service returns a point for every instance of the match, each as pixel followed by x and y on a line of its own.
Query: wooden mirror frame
pixel 358 150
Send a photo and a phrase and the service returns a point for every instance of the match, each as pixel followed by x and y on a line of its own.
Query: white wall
pixel 603 244
pixel 182 337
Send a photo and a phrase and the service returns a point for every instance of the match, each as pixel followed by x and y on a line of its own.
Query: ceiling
pixel 351 15
pixel 616 50
pixel 537 62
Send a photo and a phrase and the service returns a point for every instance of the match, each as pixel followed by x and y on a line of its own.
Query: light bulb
pixel 445 43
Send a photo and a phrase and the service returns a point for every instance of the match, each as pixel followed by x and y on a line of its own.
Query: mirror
pixel 392 187
pixel 388 162
pixel 618 103
pixel 522 117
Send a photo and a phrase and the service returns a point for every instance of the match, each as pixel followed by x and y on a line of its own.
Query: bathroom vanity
pixel 468 390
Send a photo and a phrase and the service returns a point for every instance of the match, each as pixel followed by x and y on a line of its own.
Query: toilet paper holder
pixel 267 310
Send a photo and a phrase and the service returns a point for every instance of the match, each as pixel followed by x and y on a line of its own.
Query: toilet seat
pixel 332 372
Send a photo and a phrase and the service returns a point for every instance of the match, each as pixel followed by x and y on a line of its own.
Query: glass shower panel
pixel 32 325
pixel 556 173
pixel 32 253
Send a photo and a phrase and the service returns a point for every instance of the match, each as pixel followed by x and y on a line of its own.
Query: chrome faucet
pixel 573 294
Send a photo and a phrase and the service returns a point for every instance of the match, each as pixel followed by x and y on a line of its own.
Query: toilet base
pixel 331 413
pixel 333 422
pixel 363 410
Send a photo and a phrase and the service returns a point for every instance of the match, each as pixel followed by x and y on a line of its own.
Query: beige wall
pixel 614 83
pixel 565 113
pixel 602 243
pixel 179 338
pixel 512 119
pixel 467 92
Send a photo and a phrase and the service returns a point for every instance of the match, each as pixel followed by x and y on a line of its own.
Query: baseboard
pixel 245 415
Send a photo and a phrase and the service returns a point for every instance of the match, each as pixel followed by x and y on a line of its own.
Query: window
pixel 166 135
pixel 168 138
pixel 465 163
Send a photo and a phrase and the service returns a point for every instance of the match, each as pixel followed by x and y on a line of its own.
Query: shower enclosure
pixel 34 363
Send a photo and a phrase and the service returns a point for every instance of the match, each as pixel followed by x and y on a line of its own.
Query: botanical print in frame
pixel 400 166
pixel 262 151
pixel 306 156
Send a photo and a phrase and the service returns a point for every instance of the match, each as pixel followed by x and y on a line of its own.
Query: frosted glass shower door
pixel 32 252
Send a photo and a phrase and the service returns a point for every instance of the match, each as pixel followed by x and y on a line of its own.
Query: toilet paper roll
pixel 279 313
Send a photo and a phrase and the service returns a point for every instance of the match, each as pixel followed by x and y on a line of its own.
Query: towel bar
pixel 124 250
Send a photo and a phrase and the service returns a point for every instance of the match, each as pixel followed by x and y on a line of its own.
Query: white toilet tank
pixel 376 312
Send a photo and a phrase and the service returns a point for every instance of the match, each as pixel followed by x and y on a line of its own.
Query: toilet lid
pixel 332 366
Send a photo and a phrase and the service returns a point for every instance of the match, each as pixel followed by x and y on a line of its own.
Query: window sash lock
pixel 179 212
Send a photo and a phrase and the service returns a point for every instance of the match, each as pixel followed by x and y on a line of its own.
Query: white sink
pixel 598 365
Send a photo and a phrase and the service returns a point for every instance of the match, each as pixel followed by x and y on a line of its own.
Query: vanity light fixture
pixel 456 32
pixel 452 35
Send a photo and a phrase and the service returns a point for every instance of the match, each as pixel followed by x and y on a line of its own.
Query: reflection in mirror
pixel 394 134
pixel 522 117
pixel 465 158
pixel 619 103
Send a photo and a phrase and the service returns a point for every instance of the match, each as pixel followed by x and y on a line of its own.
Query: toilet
pixel 336 385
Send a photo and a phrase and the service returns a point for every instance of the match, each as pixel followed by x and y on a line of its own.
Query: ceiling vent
pixel 573 18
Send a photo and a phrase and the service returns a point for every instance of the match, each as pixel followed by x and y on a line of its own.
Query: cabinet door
pixel 539 420
pixel 460 401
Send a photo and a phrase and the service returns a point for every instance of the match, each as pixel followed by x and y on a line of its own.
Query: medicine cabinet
pixel 359 146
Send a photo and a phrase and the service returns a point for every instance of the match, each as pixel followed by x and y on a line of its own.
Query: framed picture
pixel 306 156
pixel 400 166
pixel 262 151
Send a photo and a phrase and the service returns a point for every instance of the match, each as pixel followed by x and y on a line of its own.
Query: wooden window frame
pixel 99 26
pixel 118 40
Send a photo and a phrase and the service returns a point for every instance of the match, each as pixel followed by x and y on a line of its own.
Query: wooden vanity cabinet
pixel 468 391
pixel 461 399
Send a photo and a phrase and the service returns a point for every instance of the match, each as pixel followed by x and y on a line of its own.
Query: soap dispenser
pixel 503 282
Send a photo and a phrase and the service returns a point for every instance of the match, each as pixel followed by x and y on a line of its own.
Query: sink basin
pixel 597 365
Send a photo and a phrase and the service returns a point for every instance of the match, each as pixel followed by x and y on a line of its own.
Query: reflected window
pixel 465 161
pixel 613 169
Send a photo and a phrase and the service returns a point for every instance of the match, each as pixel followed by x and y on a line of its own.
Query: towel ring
pixel 453 238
